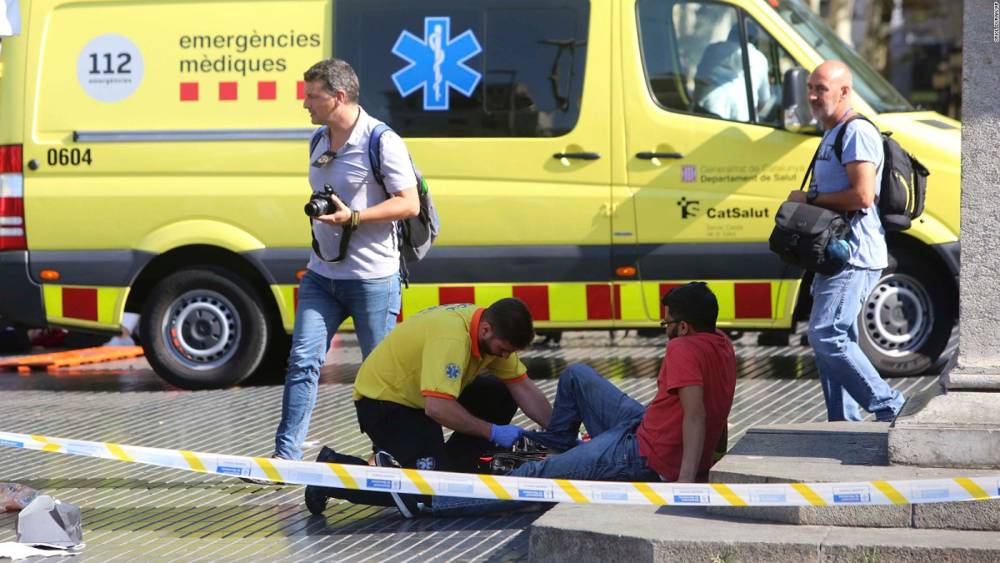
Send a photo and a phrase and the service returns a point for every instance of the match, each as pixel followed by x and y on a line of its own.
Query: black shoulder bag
pixel 803 232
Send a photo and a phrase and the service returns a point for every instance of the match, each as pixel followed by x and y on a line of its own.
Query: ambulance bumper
pixel 20 297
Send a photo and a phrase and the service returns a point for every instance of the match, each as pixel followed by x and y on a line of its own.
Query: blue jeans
pixel 323 305
pixel 612 454
pixel 848 378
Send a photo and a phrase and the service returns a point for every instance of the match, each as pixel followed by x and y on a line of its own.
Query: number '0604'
pixel 68 157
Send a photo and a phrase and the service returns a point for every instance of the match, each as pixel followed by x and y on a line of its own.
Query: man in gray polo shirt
pixel 851 186
pixel 364 285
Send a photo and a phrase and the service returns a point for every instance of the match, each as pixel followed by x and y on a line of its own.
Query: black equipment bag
pixel 904 181
pixel 802 232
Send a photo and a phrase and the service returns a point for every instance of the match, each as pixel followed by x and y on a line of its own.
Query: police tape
pixel 422 482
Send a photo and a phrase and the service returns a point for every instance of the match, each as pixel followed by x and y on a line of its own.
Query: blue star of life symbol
pixel 452 371
pixel 437 63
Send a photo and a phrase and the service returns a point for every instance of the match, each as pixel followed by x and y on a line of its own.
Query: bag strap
pixel 345 240
pixel 838 146
pixel 375 154
pixel 317 136
pixel 812 165
pixel 375 158
pixel 345 236
pixel 838 143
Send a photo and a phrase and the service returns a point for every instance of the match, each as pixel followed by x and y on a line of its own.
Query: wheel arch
pixel 208 257
pixel 896 243
pixel 902 242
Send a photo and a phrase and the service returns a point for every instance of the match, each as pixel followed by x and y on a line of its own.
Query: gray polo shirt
pixel 372 252
pixel 862 143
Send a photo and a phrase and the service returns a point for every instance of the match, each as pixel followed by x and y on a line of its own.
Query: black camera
pixel 321 203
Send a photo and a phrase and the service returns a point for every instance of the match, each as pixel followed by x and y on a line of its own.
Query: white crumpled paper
pixel 15 551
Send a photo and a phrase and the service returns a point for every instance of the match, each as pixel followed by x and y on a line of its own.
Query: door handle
pixel 646 155
pixel 578 155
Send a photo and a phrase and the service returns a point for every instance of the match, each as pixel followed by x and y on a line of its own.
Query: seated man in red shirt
pixel 673 439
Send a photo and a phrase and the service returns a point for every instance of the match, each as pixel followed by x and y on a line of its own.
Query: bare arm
pixel 693 433
pixel 401 205
pixel 861 194
pixel 450 414
pixel 531 400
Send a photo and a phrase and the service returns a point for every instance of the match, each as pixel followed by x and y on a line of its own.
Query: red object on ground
pixel 49 338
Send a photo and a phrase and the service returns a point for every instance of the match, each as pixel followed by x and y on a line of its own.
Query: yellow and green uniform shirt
pixel 432 354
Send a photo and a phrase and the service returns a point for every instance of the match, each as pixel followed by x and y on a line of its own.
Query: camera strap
pixel 345 234
pixel 345 240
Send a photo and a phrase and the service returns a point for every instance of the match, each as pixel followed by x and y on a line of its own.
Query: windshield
pixel 868 83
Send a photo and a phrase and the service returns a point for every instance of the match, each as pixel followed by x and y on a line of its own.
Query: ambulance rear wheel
pixel 204 329
pixel 907 320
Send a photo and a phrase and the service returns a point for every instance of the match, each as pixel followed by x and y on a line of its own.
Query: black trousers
pixel 417 441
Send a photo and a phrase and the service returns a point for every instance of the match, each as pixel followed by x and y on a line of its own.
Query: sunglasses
pixel 667 322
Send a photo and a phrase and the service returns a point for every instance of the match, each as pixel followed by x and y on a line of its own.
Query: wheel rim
pixel 898 315
pixel 201 329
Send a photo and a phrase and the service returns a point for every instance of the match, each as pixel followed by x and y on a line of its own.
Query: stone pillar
pixel 960 427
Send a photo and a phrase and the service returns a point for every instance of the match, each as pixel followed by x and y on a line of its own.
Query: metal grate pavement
pixel 132 512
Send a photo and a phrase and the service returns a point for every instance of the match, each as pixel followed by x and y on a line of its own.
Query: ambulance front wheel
pixel 907 320
pixel 204 329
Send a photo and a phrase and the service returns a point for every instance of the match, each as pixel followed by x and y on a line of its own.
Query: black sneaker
pixel 264 482
pixel 407 504
pixel 316 496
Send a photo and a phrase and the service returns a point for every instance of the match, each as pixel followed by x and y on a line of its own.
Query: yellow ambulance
pixel 585 156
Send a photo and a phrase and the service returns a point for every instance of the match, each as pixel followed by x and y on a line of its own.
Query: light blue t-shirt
pixel 862 142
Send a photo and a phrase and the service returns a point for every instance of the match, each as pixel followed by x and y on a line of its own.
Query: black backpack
pixel 904 181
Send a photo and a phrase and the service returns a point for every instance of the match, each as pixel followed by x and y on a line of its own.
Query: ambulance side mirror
pixel 797 116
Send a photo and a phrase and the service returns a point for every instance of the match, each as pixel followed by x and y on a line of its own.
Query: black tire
pixel 907 320
pixel 274 365
pixel 204 329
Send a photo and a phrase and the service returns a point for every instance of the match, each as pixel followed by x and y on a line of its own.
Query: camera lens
pixel 317 207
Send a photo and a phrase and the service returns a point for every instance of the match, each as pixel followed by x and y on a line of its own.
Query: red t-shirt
pixel 705 359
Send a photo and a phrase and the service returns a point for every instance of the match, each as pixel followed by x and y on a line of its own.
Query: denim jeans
pixel 848 378
pixel 323 305
pixel 612 454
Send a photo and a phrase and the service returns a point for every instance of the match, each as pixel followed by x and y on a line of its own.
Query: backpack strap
pixel 375 154
pixel 316 138
pixel 838 143
pixel 375 158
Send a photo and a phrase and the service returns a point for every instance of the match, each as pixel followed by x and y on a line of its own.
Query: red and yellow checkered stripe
pixel 743 303
pixel 94 307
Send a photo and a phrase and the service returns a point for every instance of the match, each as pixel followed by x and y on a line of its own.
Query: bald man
pixel 849 185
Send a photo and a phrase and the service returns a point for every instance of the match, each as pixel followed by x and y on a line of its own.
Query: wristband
pixel 355 220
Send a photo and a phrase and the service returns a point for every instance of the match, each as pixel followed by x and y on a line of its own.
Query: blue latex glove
pixel 505 436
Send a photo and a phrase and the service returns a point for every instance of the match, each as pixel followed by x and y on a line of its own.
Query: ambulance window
pixel 696 58
pixel 767 93
pixel 507 68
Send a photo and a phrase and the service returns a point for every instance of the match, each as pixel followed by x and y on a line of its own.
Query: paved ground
pixel 132 512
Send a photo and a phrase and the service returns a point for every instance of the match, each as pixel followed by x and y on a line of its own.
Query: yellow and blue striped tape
pixel 527 489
